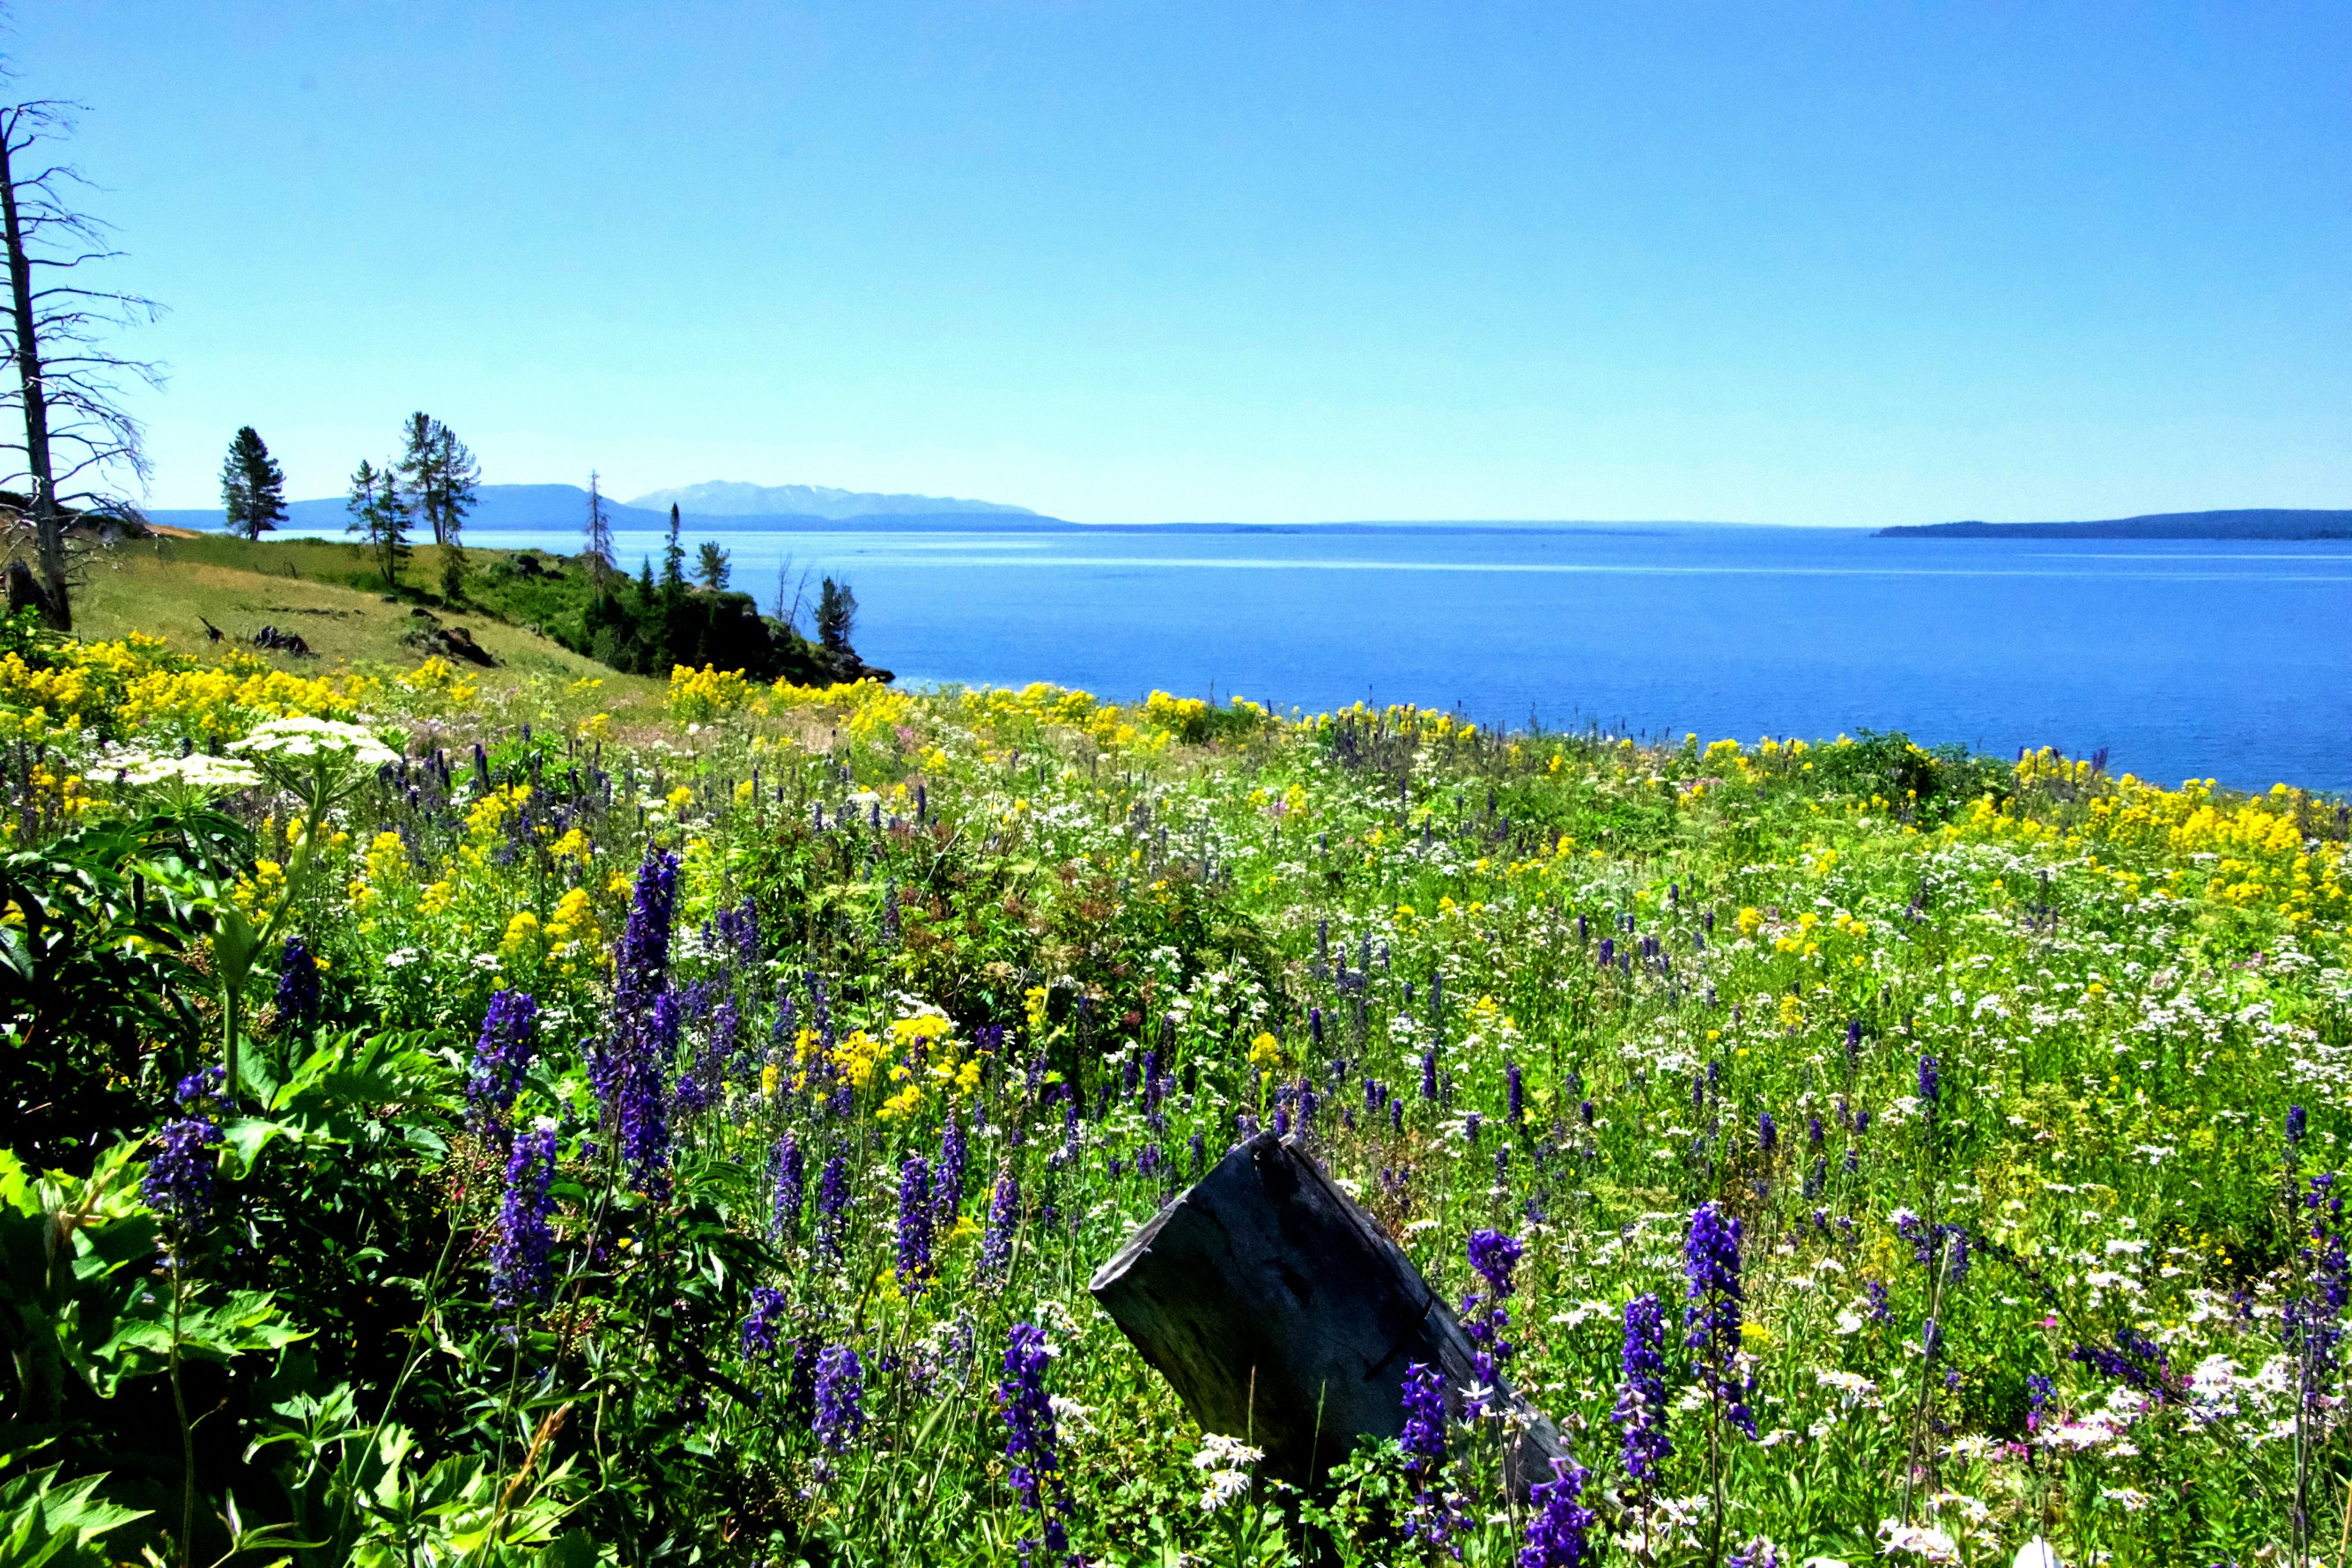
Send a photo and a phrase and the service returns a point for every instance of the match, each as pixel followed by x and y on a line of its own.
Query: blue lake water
pixel 2182 659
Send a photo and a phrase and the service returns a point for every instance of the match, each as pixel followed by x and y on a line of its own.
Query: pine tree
pixel 253 487
pixel 236 496
pixel 836 616
pixel 673 558
pixel 711 567
pixel 380 516
pixel 440 475
pixel 419 467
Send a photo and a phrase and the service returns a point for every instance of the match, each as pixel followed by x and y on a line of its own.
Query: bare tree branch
pixel 70 448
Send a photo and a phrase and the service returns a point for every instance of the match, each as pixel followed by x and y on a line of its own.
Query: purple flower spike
pixel 523 1260
pixel 1711 1261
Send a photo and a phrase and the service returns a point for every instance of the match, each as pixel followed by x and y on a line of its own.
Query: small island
pixel 2257 523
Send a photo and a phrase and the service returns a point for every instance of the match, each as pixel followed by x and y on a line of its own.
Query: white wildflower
pixel 1920 1540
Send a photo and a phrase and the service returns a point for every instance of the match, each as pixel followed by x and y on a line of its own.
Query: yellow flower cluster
pixel 2259 852
pixel 2262 853
pixel 436 678
pixel 697 696
pixel 928 1050
pixel 572 933
pixel 1186 718
pixel 383 863
pixel 487 818
pixel 220 704
pixel 1426 726
pixel 138 684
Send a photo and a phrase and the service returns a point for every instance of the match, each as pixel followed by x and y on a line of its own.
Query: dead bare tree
pixel 789 611
pixel 75 452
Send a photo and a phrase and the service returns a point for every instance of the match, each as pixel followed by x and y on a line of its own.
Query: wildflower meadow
pixel 456 1118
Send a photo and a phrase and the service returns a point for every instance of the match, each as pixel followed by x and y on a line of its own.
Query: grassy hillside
pixel 169 587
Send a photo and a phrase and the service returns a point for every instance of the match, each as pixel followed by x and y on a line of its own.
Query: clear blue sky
pixel 1801 263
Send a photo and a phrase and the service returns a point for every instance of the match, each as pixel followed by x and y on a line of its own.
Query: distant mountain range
pixel 515 508
pixel 732 498
pixel 2273 523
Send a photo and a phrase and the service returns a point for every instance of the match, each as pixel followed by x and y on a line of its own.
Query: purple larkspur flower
pixel 832 1200
pixel 1424 1420
pixel 1560 1535
pixel 946 1177
pixel 522 1259
pixel 1423 1441
pixel 501 1057
pixel 739 930
pixel 200 1087
pixel 2040 1393
pixel 298 988
pixel 2134 1359
pixel 1931 1084
pixel 792 1177
pixel 1032 1443
pixel 1484 1317
pixel 914 1226
pixel 1768 1133
pixel 629 1069
pixel 1641 1410
pixel 1515 1093
pixel 178 1185
pixel 1004 1215
pixel 760 1327
pixel 840 1398
pixel 2296 1123
pixel 1711 1262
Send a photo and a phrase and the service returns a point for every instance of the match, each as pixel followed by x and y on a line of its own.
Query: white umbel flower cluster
pixel 305 737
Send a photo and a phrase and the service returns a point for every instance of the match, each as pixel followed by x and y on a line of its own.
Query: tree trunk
pixel 48 522
pixel 1280 1313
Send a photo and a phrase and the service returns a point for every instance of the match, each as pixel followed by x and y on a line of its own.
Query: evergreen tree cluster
pixel 643 626
pixel 647 624
pixel 432 482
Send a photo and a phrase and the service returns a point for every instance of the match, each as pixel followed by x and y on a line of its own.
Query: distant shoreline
pixel 2272 523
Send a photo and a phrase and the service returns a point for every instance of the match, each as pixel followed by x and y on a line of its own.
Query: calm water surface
pixel 2181 658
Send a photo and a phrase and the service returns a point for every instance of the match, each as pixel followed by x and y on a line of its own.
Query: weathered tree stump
pixel 1277 1308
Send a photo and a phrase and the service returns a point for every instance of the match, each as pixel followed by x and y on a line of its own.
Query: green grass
pixel 326 591
pixel 977 909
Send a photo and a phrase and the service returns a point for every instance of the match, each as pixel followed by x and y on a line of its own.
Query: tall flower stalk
pixel 178 1186
pixel 1641 1411
pixel 629 1069
pixel 1032 1443
pixel 501 1057
pixel 1423 1441
pixel 1712 1321
pixel 522 1269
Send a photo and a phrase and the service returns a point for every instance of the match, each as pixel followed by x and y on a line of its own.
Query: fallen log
pixel 1280 1312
